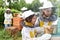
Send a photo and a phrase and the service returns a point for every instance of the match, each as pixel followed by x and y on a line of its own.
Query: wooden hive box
pixel 17 22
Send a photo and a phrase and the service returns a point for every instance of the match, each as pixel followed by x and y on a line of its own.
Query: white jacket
pixel 26 34
pixel 8 18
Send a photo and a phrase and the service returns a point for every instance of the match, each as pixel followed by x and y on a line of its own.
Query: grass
pixel 5 36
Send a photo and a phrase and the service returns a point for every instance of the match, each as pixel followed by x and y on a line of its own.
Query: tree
pixel 35 5
pixel 17 5
pixel 1 3
pixel 57 5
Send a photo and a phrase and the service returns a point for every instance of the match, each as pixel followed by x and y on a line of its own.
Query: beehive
pixel 17 22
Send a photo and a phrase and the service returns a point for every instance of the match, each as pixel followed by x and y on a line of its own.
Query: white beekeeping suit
pixel 26 35
pixel 29 33
pixel 53 18
pixel 8 18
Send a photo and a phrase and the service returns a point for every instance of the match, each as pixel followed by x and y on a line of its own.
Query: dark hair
pixel 29 19
pixel 7 11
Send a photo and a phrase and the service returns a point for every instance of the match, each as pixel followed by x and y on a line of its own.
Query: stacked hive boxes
pixel 17 22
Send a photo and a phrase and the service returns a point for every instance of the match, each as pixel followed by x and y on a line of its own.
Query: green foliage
pixel 53 0
pixel 14 5
pixel 15 11
pixel 17 5
pixel 2 14
pixel 58 11
pixel 4 35
pixel 35 5
pixel 1 3
pixel 56 4
pixel 22 3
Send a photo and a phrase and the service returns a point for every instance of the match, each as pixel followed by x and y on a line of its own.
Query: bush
pixel 15 11
pixel 35 5
pixel 2 14
pixel 1 3
pixel 17 5
pixel 4 35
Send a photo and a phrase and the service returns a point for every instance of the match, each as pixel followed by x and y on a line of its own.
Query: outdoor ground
pixel 5 36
